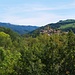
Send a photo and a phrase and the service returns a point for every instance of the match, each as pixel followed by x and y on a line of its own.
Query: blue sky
pixel 36 12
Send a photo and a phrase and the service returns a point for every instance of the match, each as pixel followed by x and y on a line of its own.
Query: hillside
pixel 18 28
pixel 43 30
pixel 64 25
pixel 10 32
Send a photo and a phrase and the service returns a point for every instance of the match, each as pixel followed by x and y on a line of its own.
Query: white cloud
pixel 42 19
pixel 39 17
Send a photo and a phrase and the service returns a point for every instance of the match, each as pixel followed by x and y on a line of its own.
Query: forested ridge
pixel 42 55
pixel 21 29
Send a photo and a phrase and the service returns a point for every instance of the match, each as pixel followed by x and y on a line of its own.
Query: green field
pixel 67 26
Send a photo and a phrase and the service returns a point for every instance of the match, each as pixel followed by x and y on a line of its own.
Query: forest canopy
pixel 42 55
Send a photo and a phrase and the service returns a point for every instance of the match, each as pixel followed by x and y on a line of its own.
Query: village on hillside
pixel 50 31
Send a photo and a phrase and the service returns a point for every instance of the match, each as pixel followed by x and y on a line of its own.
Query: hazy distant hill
pixel 18 28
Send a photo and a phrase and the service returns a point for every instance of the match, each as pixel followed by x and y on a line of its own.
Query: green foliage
pixel 13 35
pixel 42 55
pixel 5 40
pixel 8 60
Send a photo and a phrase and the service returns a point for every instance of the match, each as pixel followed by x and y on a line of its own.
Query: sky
pixel 36 12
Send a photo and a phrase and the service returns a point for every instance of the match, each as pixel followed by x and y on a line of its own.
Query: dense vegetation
pixel 21 29
pixel 42 55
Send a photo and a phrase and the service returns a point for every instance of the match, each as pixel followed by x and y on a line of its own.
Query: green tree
pixel 5 40
pixel 8 61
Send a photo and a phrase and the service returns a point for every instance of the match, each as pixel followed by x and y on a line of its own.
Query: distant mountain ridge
pixel 18 28
pixel 63 25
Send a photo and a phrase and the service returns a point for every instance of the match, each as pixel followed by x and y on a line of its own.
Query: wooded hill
pixel 64 25
pixel 61 26
pixel 21 29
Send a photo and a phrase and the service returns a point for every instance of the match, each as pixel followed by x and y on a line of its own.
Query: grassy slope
pixel 67 26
